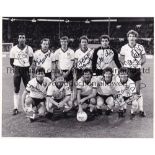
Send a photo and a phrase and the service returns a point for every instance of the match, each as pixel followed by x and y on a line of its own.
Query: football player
pixel 104 56
pixel 59 95
pixel 86 91
pixel 132 56
pixel 83 56
pixel 21 57
pixel 125 93
pixel 45 58
pixel 64 58
pixel 34 97
pixel 105 91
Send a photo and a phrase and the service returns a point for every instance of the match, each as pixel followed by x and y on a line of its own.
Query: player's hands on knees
pixel 50 105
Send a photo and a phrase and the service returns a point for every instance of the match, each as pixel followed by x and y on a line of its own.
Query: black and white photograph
pixel 77 77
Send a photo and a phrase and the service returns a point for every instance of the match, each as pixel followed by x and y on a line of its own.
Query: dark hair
pixel 107 69
pixel 104 37
pixel 40 69
pixel 123 70
pixel 45 39
pixel 58 74
pixel 87 70
pixel 135 33
pixel 84 37
pixel 21 33
pixel 64 38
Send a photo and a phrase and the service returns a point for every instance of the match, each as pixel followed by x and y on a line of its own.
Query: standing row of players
pixel 85 64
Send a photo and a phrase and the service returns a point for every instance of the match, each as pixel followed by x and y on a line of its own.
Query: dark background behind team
pixel 53 28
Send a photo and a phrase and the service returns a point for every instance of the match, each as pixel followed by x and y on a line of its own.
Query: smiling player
pixel 105 91
pixel 45 58
pixel 126 92
pixel 64 58
pixel 86 91
pixel 83 56
pixel 21 57
pixel 34 97
pixel 59 95
pixel 132 56
pixel 104 56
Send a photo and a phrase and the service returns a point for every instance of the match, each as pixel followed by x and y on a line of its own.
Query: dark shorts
pixel 134 74
pixel 126 98
pixel 104 97
pixel 87 101
pixel 56 109
pixel 20 73
pixel 38 101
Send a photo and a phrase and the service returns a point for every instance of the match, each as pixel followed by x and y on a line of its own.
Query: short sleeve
pixel 12 53
pixel 122 52
pixel 49 90
pixel 76 54
pixel 48 81
pixel 52 57
pixel 67 89
pixel 35 56
pixel 143 50
pixel 29 85
pixel 72 55
pixel 56 55
pixel 30 52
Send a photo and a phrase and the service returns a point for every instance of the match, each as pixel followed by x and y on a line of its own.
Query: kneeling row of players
pixel 43 96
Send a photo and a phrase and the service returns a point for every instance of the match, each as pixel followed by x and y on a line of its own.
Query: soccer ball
pixel 82 116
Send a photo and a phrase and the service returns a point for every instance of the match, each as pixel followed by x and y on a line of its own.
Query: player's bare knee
pixel 42 110
pixel 70 103
pixel 93 101
pixel 100 103
pixel 110 102
pixel 28 101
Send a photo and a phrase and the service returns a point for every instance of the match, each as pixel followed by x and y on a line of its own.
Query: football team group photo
pixel 77 77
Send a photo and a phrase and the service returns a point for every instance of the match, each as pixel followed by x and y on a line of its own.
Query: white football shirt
pixel 133 55
pixel 84 58
pixel 21 57
pixel 127 89
pixel 36 89
pixel 103 88
pixel 56 93
pixel 86 89
pixel 44 60
pixel 64 58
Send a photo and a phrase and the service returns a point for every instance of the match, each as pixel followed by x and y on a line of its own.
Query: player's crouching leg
pixel 92 104
pixel 134 106
pixel 42 109
pixel 110 104
pixel 68 106
pixel 29 109
pixel 99 105
pixel 121 105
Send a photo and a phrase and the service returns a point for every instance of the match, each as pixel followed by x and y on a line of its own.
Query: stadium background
pixel 53 28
